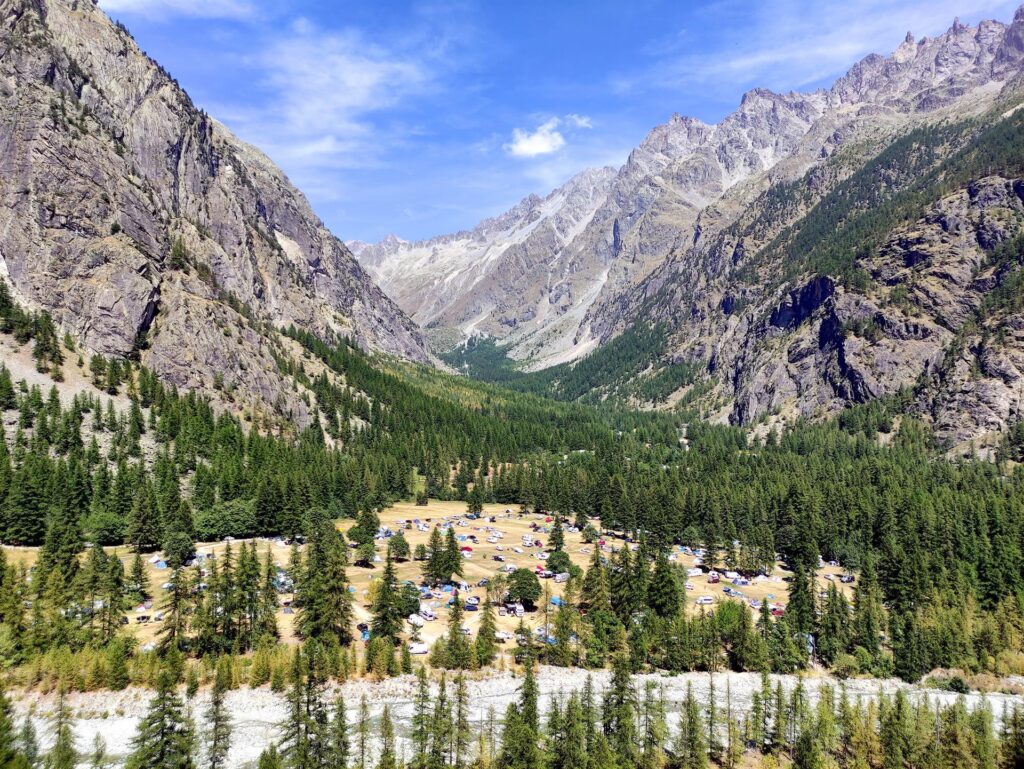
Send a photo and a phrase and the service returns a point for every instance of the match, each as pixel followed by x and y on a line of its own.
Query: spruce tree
pixel 63 754
pixel 218 717
pixel 387 606
pixel 339 735
pixel 164 738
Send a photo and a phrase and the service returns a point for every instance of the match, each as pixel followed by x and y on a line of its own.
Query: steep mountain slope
pixel 688 180
pixel 879 259
pixel 145 227
pixel 900 277
pixel 496 278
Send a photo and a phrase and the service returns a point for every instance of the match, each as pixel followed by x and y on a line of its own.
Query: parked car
pixel 419 648
pixel 704 600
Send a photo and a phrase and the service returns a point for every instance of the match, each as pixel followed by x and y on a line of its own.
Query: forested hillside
pixel 932 541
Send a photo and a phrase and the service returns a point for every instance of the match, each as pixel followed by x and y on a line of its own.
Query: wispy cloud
pixel 209 9
pixel 794 43
pixel 334 99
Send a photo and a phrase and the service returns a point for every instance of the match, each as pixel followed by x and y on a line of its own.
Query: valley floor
pixel 479 565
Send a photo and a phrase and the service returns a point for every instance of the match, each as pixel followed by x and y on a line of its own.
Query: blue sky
pixel 421 118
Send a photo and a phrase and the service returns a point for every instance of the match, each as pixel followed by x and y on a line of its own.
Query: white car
pixel 704 600
pixel 419 648
pixel 517 550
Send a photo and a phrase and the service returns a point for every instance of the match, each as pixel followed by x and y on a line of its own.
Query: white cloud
pixel 580 121
pixel 210 9
pixel 543 141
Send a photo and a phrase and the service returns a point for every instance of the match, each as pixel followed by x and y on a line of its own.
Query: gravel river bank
pixel 258 713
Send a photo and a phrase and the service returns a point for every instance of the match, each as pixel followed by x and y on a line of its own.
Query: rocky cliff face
pixel 686 182
pixel 497 278
pixel 140 223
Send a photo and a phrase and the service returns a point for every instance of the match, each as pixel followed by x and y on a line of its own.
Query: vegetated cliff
pixel 899 279
pixel 145 227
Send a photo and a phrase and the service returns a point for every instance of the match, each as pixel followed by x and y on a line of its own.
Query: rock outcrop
pixel 142 224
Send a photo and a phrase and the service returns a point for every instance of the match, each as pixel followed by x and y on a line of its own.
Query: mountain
pixel 813 252
pixel 886 268
pixel 498 278
pixel 688 179
pixel 144 227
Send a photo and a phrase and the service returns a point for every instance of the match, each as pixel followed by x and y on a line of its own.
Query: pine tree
pixel 460 725
pixel 10 755
pixel 556 541
pixel 452 556
pixel 363 732
pixel 325 609
pixel 691 747
pixel 339 736
pixel 619 713
pixel 458 654
pixel 387 607
pixel 486 646
pixel 664 591
pixel 653 727
pixel 441 726
pixel 164 738
pixel 387 741
pixel 143 532
pixel 434 566
pixel 63 754
pixel 420 734
pixel 219 718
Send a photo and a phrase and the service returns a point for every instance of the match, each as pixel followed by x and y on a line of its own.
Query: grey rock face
pixel 105 163
pixel 685 183
pixel 499 278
